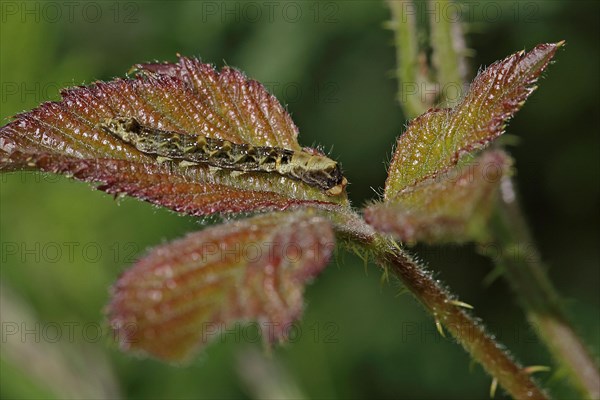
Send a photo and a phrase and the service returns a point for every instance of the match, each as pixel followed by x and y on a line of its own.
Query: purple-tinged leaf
pixel 247 112
pixel 157 184
pixel 184 293
pixel 190 97
pixel 453 207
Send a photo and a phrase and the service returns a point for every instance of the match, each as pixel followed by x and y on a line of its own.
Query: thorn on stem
pixel 403 290
pixel 532 369
pixel 491 277
pixel 462 304
pixel 439 327
pixel 385 277
pixel 493 388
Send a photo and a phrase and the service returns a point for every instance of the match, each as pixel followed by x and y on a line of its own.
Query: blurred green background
pixel 331 63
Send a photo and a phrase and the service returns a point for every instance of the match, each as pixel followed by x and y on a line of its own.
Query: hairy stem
pixel 516 255
pixel 440 303
pixel 448 49
pixel 519 260
pixel 411 69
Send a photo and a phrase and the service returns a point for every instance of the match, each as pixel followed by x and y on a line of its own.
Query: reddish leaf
pixel 190 97
pixel 183 294
pixel 435 141
pixel 156 184
pixel 452 207
pixel 249 113
pixel 421 201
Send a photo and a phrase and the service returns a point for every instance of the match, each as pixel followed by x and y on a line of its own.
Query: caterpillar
pixel 315 170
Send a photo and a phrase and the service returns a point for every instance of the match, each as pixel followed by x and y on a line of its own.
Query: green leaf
pixel 452 207
pixel 187 292
pixel 435 141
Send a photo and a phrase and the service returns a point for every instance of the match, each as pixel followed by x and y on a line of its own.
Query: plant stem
pixel 467 330
pixel 519 259
pixel 448 49
pixel 524 272
pixel 412 68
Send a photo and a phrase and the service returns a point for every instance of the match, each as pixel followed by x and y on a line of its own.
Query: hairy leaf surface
pixel 453 207
pixel 431 194
pixel 191 97
pixel 435 141
pixel 185 293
